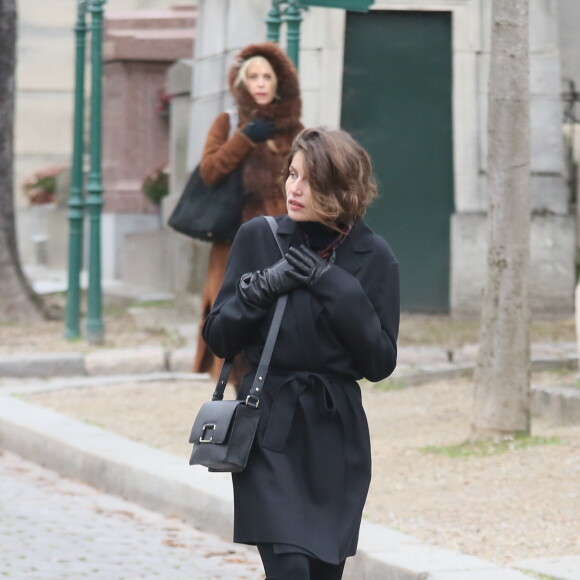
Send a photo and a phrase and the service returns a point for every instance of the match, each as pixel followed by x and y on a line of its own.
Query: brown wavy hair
pixel 339 172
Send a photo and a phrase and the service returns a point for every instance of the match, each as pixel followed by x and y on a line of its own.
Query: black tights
pixel 296 566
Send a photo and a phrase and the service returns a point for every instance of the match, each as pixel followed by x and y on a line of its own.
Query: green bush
pixel 156 185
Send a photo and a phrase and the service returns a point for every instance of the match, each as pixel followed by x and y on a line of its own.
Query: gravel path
pixel 120 332
pixel 521 504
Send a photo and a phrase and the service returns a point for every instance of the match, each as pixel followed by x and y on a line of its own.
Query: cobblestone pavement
pixel 54 528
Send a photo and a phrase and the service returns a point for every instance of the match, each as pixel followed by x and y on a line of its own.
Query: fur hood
pixel 286 108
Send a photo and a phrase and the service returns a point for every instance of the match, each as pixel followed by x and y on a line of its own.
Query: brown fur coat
pixel 261 167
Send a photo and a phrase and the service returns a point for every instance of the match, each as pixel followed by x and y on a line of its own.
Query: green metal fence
pixel 94 201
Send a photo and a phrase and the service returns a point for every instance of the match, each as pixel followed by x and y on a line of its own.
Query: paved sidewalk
pixel 162 482
pixel 151 478
pixel 54 528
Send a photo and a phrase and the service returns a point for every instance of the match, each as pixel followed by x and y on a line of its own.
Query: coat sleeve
pixel 221 154
pixel 232 321
pixel 365 318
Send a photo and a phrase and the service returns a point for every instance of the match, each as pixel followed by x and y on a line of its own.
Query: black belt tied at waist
pixel 285 396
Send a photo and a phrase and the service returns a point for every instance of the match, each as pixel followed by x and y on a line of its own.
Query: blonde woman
pixel 265 88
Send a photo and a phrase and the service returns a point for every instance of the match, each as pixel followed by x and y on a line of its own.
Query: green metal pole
pixel 95 327
pixel 293 18
pixel 273 21
pixel 75 201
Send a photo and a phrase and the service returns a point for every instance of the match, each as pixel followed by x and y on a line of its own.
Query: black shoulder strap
pixel 274 227
pixel 253 399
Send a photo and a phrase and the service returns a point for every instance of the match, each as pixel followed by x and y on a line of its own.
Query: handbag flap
pixel 213 421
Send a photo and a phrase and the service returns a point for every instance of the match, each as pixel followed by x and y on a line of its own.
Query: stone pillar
pixel 163 260
pixel 139 48
pixel 179 88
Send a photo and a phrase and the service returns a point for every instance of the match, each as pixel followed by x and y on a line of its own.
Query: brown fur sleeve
pixel 220 154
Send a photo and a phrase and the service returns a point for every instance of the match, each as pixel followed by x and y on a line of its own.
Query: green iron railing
pixel 94 203
pixel 274 21
pixel 76 202
pixel 291 15
pixel 293 19
pixel 94 199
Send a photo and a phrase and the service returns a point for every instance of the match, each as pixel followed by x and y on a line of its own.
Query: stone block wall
pixel 44 95
pixel 553 232
pixel 570 51
pixel 552 273
pixel 44 85
pixel 165 261
pixel 227 25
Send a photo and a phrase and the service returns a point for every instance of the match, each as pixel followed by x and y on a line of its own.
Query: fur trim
pixel 263 165
pixel 285 110
pixel 261 173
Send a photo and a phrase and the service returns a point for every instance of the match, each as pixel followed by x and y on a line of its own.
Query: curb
pixel 560 405
pixel 150 359
pixel 165 483
pixel 147 359
pixel 416 376
pixel 59 364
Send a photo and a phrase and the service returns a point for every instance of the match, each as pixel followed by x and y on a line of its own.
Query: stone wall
pixel 44 123
pixel 227 25
pixel 224 27
pixel 44 95
pixel 553 233
pixel 570 51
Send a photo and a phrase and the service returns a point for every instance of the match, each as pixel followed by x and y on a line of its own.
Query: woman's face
pixel 298 192
pixel 261 82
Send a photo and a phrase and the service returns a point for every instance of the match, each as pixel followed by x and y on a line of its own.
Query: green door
pixel 396 102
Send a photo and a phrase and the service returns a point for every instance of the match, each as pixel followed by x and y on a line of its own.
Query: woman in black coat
pixel 300 498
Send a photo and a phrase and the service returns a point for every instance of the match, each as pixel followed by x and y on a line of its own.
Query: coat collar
pixel 360 240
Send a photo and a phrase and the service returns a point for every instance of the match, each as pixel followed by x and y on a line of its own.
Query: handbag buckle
pixel 252 401
pixel 206 426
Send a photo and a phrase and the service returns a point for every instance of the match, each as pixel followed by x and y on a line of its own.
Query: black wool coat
pixel 309 470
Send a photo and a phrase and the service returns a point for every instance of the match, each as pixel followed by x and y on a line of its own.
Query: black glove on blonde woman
pixel 259 130
pixel 263 287
pixel 307 266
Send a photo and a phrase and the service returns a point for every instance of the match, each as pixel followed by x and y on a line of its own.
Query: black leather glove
pixel 262 288
pixel 307 266
pixel 259 130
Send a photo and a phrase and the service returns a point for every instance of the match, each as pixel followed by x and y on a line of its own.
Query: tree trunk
pixel 502 379
pixel 18 302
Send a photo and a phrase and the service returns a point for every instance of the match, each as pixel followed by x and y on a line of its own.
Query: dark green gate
pixel 396 101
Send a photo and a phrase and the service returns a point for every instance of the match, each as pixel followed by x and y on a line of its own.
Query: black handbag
pixel 211 213
pixel 223 431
